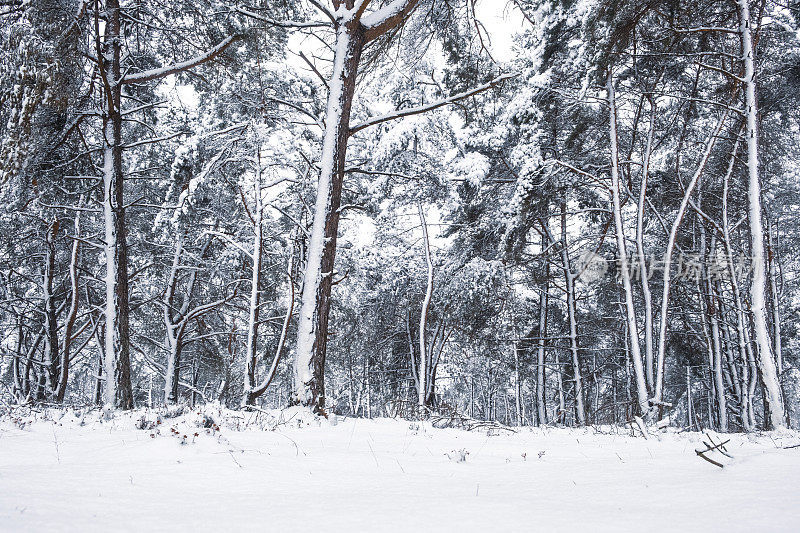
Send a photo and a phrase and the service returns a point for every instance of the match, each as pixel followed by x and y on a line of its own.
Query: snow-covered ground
pixel 82 473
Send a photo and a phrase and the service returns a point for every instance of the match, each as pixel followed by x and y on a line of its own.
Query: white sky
pixel 502 22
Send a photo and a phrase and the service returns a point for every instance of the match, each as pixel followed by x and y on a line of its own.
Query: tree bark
pixel 776 308
pixel 541 397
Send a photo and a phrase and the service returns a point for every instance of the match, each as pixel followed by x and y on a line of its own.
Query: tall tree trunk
pixel 518 406
pixel 251 356
pixel 569 278
pixel 18 387
pixel 561 415
pixel 742 335
pixel 352 33
pixel 708 318
pixel 774 411
pixel 643 270
pixel 719 381
pixel 671 242
pixel 309 363
pixel 99 335
pixel 541 397
pixel 118 387
pixel 424 350
pixel 776 307
pixel 171 334
pixel 622 256
pixel 51 348
pixel 72 314
pixel 273 369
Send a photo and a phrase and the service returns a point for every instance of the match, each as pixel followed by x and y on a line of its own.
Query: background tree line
pixel 353 205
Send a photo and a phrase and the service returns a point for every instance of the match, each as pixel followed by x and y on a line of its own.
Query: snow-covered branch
pixel 385 19
pixel 400 113
pixel 159 73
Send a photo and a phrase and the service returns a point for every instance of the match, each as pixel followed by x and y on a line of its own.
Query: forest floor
pixel 67 471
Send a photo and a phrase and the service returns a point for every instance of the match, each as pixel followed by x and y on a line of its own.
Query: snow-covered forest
pixel 484 215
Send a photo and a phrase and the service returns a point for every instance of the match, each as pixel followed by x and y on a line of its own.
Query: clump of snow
pixel 473 168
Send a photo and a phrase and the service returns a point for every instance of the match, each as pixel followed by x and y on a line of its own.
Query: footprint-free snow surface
pixel 140 472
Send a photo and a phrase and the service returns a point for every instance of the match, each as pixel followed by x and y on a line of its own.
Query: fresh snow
pixel 73 472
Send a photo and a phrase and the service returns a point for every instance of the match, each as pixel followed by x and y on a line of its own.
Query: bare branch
pixel 153 140
pixel 721 70
pixel 313 67
pixel 324 10
pixel 705 29
pixel 282 23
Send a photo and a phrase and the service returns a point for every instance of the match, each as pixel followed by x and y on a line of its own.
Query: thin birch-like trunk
pixel 643 270
pixel 51 347
pixel 662 332
pixel 541 397
pixel 69 323
pixel 569 279
pixel 517 387
pixel 776 308
pixel 251 354
pixel 622 257
pixel 273 369
pixel 774 411
pixel 712 310
pixel 424 351
pixel 171 335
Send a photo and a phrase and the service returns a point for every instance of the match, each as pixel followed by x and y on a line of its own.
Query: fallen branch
pixel 720 447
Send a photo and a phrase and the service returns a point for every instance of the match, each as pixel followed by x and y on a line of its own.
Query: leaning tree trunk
pixel 171 329
pixel 309 363
pixel 774 411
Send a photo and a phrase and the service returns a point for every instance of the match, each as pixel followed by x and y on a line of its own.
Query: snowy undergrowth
pixel 211 468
